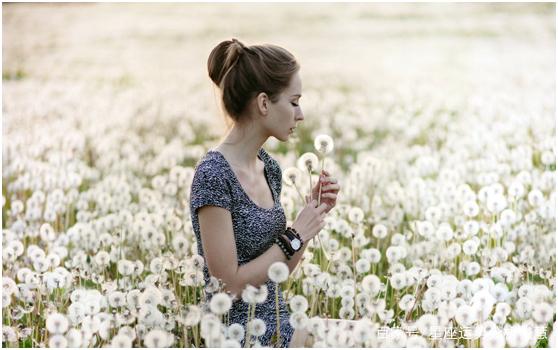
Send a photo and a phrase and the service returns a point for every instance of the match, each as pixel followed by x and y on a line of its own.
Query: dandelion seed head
pixel 236 331
pixel 57 341
pixel 257 327
pixel 261 294
pixel 379 231
pixel 121 341
pixel 249 294
pixel 355 215
pixel 9 334
pixel 323 144
pixel 57 323
pixel 278 272
pixel 308 162
pixel 298 320
pixel 292 176
pixel 220 303
pixel 371 284
pixel 362 266
pixel 298 303
pixel 158 338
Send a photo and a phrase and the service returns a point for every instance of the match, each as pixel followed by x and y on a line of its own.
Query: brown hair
pixel 243 72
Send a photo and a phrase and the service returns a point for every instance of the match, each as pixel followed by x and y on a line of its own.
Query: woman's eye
pixel 294 104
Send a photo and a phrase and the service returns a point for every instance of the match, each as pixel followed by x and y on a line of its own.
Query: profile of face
pixel 280 118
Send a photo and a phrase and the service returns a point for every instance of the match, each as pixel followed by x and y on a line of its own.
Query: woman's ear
pixel 262 101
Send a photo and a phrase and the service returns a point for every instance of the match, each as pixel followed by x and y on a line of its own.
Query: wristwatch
pixel 294 238
pixel 283 243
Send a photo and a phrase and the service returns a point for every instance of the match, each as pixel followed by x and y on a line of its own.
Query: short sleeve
pixel 210 187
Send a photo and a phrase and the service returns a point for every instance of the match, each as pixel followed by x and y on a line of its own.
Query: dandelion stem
pixel 320 183
pixel 196 336
pixel 314 297
pixel 322 246
pixel 247 338
pixel 277 312
pixel 310 182
pixel 186 339
pixel 418 290
pixel 299 194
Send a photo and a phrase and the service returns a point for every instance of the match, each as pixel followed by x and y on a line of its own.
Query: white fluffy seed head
pixel 298 320
pixel 323 144
pixel 308 162
pixel 278 272
pixel 298 303
pixel 158 338
pixel 56 323
pixel 257 327
pixel 236 331
pixel 220 303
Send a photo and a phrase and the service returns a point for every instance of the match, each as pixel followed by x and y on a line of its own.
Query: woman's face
pixel 284 115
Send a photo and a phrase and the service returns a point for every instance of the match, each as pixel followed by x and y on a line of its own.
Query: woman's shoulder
pixel 210 165
pixel 210 184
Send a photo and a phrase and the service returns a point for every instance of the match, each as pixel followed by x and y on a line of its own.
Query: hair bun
pixel 240 46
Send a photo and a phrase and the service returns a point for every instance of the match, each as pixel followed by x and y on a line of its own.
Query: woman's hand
pixel 310 220
pixel 330 189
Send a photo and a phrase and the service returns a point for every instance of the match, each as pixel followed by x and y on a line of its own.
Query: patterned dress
pixel 255 229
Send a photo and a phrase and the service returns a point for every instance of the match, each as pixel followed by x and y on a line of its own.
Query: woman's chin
pixel 284 138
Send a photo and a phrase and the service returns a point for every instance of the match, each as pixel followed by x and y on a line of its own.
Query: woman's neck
pixel 242 145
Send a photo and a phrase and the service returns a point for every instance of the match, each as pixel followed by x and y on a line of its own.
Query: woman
pixel 235 203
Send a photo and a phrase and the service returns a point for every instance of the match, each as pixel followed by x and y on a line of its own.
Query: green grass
pixel 19 74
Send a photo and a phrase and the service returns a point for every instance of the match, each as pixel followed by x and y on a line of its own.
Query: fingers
pixel 329 195
pixel 330 187
pixel 328 179
pixel 322 208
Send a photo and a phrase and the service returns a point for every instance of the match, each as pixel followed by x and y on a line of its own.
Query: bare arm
pixel 219 248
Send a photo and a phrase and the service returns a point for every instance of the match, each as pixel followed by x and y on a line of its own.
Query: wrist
pixel 300 234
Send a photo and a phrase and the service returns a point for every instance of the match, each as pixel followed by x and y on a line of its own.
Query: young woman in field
pixel 235 203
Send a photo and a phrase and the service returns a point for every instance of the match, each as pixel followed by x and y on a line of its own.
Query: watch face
pixel 295 243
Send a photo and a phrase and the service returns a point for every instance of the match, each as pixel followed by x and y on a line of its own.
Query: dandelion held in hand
pixel 324 145
pixel 308 162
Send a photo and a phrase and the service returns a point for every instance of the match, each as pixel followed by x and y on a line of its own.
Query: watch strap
pixel 293 231
pixel 284 247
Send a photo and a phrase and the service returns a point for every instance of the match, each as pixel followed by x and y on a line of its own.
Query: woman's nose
pixel 300 115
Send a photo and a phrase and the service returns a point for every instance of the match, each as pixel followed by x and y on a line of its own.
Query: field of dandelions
pixel 440 124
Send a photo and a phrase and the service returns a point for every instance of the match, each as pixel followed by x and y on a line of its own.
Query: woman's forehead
pixel 295 86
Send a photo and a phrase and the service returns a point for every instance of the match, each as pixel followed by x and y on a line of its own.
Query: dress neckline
pixel 266 174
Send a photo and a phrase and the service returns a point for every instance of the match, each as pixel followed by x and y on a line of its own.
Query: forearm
pixel 255 272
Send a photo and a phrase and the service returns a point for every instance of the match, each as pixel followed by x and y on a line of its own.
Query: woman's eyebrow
pixel 296 95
